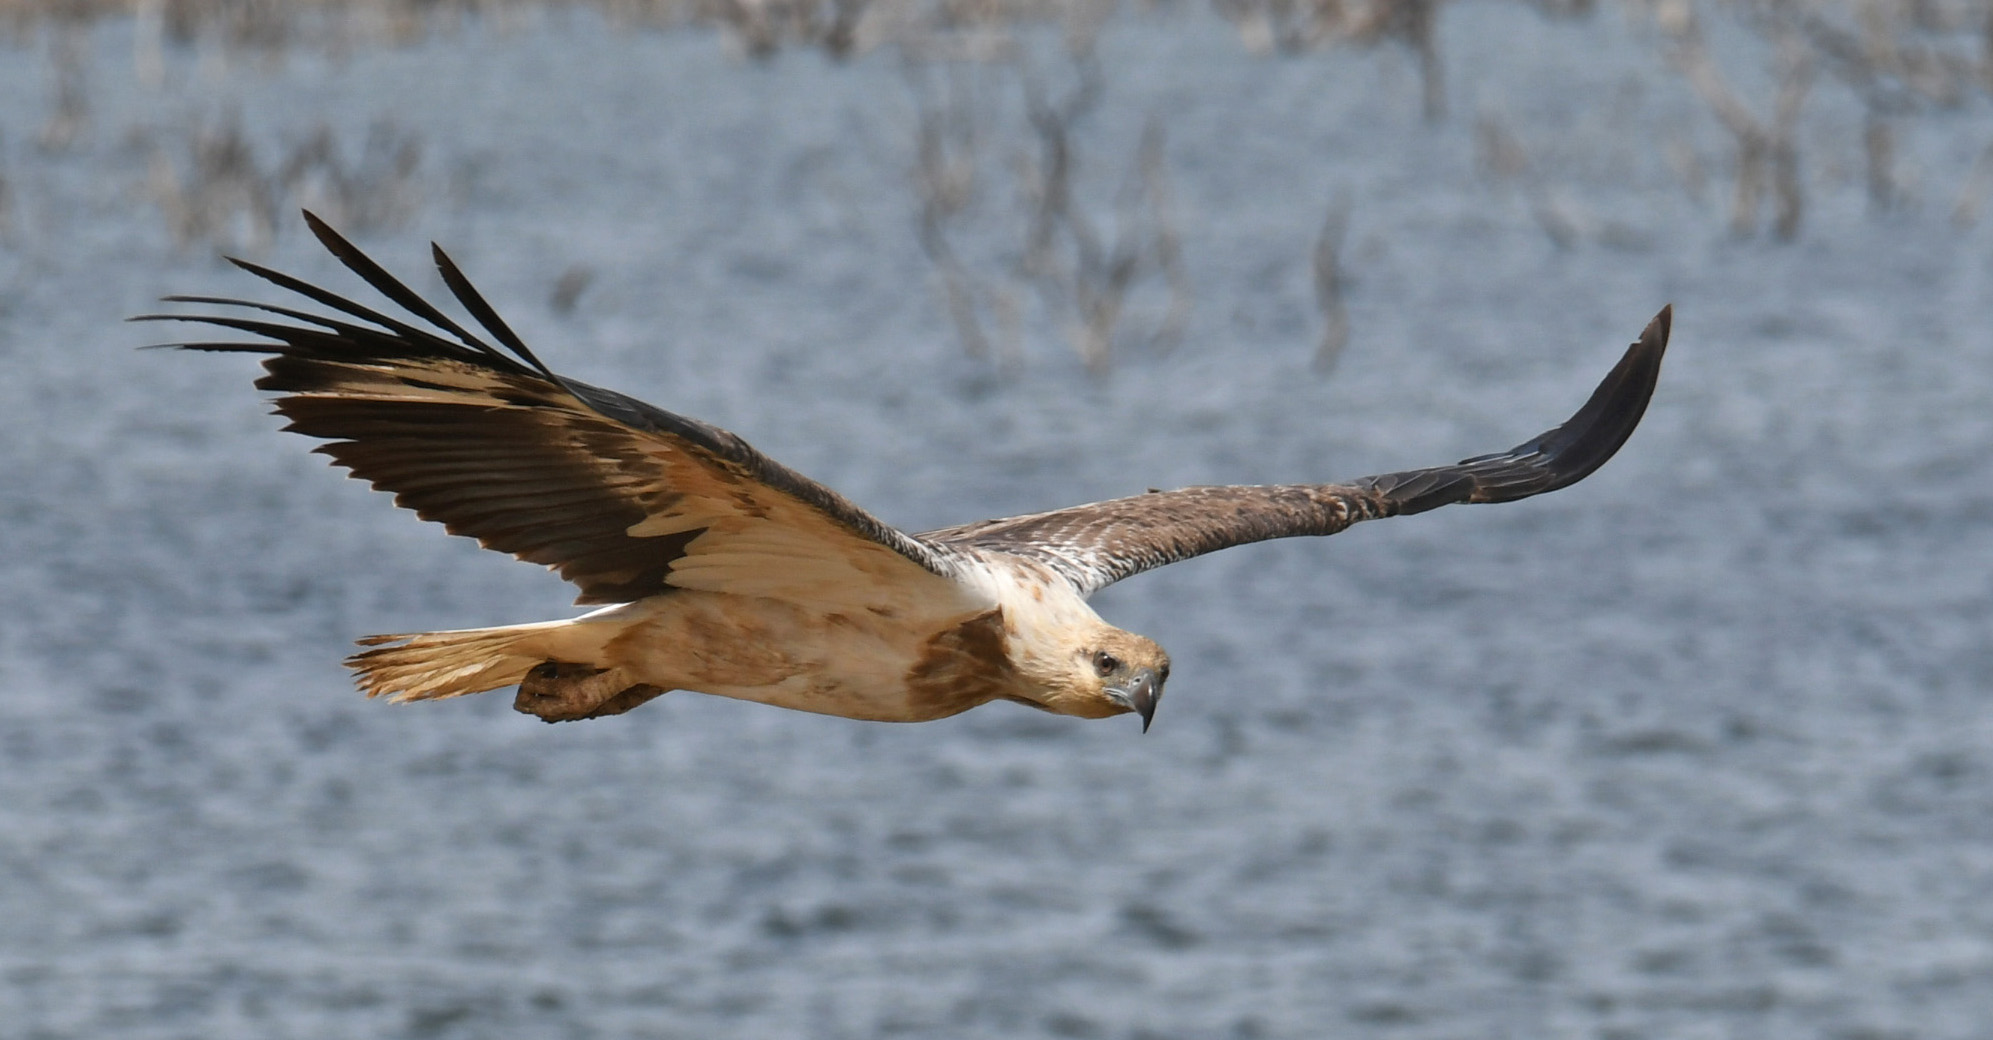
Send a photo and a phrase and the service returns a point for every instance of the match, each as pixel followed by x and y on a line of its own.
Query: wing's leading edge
pixel 1095 545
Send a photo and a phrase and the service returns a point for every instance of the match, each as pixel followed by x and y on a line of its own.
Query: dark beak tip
pixel 1139 696
pixel 1147 694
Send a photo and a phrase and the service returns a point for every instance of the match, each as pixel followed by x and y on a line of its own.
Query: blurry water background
pixel 1699 748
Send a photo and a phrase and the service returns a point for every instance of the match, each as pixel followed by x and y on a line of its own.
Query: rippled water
pixel 1698 748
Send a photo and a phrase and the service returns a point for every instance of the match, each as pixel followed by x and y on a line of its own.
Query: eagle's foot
pixel 563 691
pixel 627 698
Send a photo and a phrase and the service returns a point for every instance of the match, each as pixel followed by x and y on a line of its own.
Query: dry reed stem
pixel 1899 57
pixel 6 206
pixel 1167 245
pixel 1294 26
pixel 1972 195
pixel 1330 281
pixel 223 195
pixel 1067 256
pixel 1084 277
pixel 567 290
pixel 945 182
pixel 69 114
pixel 1767 152
pixel 759 28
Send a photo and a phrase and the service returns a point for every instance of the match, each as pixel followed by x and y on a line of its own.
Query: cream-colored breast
pixel 856 664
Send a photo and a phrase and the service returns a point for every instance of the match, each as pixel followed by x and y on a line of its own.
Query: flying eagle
pixel 722 571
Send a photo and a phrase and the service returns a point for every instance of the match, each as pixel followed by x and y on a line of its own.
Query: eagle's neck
pixel 1045 624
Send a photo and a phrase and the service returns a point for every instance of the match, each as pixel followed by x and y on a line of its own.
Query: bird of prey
pixel 719 570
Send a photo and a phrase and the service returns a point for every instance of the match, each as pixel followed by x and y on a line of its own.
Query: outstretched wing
pixel 623 499
pixel 1096 545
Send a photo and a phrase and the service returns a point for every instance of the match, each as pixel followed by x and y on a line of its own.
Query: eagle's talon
pixel 561 691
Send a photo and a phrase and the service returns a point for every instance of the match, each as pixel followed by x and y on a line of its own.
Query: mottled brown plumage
pixel 725 572
pixel 1098 544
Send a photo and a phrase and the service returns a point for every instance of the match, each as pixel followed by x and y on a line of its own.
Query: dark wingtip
pixel 1554 459
pixel 332 240
pixel 389 286
pixel 320 228
pixel 483 312
pixel 1573 451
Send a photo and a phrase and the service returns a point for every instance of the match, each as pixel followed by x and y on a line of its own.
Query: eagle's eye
pixel 1105 663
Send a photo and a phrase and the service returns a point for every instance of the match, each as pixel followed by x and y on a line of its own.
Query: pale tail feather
pixel 428 665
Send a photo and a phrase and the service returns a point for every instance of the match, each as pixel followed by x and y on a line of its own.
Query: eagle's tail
pixel 428 665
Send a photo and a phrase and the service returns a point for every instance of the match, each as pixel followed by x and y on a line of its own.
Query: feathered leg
pixel 560 691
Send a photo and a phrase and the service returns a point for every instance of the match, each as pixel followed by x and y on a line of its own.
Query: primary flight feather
pixel 722 571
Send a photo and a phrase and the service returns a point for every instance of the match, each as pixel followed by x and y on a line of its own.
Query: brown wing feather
pixel 1099 544
pixel 496 446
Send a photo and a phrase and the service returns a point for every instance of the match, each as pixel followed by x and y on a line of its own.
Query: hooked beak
pixel 1139 694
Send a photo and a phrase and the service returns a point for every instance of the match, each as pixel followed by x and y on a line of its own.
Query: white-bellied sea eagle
pixel 722 571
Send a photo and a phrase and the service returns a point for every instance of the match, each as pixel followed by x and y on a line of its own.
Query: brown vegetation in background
pixel 1083 265
pixel 1767 146
pixel 6 204
pixel 221 193
pixel 760 27
pixel 1292 26
pixel 1898 57
pixel 1330 280
pixel 995 144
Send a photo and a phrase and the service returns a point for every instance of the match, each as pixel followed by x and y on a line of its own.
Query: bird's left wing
pixel 623 499
pixel 1096 545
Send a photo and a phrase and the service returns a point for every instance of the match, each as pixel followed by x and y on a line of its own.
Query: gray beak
pixel 1139 695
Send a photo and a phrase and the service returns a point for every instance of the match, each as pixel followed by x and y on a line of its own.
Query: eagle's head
pixel 1062 657
pixel 1109 671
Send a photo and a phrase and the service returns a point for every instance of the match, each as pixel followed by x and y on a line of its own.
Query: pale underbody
pixel 756 649
pixel 913 660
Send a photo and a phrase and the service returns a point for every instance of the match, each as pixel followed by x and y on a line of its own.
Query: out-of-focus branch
pixel 1291 26
pixel 1093 278
pixel 1767 152
pixel 1159 198
pixel 1050 184
pixel 222 194
pixel 1972 196
pixel 944 183
pixel 69 114
pixel 1329 283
